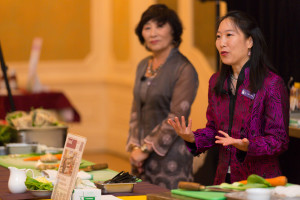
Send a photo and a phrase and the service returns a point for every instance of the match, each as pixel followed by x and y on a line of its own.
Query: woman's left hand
pixel 241 144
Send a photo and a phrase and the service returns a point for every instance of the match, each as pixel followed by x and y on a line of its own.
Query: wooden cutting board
pixel 205 195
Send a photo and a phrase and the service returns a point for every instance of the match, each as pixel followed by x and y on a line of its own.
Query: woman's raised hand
pixel 241 144
pixel 181 129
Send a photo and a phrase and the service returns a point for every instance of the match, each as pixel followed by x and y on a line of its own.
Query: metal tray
pixel 114 187
pixel 52 136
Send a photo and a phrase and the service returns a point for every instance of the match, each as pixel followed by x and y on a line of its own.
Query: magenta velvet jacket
pixel 262 118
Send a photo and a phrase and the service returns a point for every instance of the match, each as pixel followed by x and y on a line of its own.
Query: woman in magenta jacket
pixel 248 111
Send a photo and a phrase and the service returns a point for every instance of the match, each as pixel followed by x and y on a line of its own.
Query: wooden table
pixel 141 188
pixel 4 192
pixel 294 132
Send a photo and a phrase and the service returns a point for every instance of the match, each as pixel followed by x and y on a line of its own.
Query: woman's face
pixel 232 44
pixel 158 37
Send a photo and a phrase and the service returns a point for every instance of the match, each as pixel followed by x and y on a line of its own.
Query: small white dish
pixel 258 194
pixel 40 193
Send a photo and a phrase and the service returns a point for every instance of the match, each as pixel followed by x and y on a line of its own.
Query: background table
pixel 47 100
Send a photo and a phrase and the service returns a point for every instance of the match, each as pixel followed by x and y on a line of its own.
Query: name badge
pixel 247 93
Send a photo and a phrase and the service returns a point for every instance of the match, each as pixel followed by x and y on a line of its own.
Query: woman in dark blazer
pixel 248 111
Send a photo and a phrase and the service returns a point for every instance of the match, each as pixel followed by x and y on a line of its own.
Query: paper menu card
pixel 69 167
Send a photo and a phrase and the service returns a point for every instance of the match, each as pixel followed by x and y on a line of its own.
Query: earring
pixel 249 53
pixel 174 43
pixel 146 47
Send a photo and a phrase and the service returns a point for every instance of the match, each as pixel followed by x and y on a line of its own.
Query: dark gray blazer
pixel 171 93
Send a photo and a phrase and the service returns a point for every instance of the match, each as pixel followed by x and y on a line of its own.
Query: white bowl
pixel 40 193
pixel 258 194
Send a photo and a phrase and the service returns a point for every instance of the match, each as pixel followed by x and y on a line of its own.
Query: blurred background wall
pixel 90 53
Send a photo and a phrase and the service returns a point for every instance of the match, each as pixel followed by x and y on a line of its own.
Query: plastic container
pixel 295 97
pixel 2 150
pixel 258 194
pixel 19 148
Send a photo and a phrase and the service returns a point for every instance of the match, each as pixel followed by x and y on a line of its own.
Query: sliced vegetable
pixel 36 158
pixel 58 156
pixel 276 181
pixel 240 186
pixel 243 182
pixel 255 181
pixel 232 186
pixel 42 179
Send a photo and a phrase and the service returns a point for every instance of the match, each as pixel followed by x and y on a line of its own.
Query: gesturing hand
pixel 181 129
pixel 241 144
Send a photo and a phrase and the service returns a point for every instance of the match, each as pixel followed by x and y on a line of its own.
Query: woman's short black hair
pixel 259 62
pixel 161 14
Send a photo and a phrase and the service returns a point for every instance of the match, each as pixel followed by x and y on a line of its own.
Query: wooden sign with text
pixel 69 166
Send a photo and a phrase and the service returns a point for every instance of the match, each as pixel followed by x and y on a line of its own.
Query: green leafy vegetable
pixel 33 184
pixel 253 178
pixel 253 181
pixel 7 134
pixel 10 117
pixel 240 186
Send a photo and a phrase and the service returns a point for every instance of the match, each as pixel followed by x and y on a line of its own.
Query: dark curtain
pixel 279 21
pixel 205 175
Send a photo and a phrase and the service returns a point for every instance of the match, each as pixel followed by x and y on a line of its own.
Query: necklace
pixel 232 88
pixel 233 78
pixel 232 85
pixel 152 71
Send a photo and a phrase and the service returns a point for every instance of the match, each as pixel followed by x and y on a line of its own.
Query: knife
pixel 192 186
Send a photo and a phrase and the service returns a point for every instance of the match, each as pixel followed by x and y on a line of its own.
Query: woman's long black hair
pixel 259 63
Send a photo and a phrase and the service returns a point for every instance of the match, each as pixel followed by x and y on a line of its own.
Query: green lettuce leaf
pixel 253 178
pixel 7 134
pixel 33 184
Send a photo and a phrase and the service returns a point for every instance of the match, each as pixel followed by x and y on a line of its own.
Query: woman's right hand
pixel 137 158
pixel 181 129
